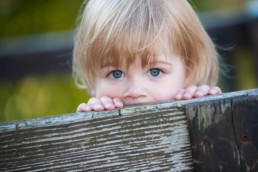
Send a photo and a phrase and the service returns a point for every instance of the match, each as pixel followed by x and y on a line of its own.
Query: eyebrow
pixel 160 62
pixel 155 62
pixel 108 65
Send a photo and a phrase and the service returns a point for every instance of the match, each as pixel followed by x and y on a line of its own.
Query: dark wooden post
pixel 224 133
pixel 245 121
pixel 213 138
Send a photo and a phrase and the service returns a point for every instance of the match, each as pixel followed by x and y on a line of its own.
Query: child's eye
pixel 154 72
pixel 116 74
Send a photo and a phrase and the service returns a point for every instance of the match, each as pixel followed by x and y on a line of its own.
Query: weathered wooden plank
pixel 245 120
pixel 153 139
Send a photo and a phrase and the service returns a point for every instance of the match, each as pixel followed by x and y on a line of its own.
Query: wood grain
pixel 150 140
pixel 214 133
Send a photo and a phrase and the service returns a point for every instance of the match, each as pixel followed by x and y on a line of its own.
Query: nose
pixel 135 89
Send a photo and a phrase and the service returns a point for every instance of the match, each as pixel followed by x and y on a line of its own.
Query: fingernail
pixel 110 106
pixel 212 92
pixel 199 93
pixel 186 95
pixel 119 104
pixel 84 106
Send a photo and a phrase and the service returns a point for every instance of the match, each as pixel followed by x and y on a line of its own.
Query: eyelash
pixel 157 70
pixel 117 74
pixel 111 74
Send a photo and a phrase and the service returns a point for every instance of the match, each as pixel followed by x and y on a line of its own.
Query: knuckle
pixel 93 101
pixel 103 99
pixel 217 89
pixel 106 99
pixel 204 86
pixel 191 88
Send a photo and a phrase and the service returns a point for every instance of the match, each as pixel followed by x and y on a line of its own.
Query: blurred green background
pixel 52 93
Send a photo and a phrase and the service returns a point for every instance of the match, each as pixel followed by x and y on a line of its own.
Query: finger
pixel 201 91
pixel 189 92
pixel 107 103
pixel 118 103
pixel 179 94
pixel 96 104
pixel 215 90
pixel 83 107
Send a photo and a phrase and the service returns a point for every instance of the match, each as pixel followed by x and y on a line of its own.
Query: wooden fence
pixel 214 133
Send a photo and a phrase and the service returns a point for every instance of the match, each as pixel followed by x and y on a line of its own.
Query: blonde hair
pixel 113 31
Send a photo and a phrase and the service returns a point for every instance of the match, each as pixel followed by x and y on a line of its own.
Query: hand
pixel 100 104
pixel 197 92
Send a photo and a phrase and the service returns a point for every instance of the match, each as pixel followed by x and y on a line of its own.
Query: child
pixel 139 51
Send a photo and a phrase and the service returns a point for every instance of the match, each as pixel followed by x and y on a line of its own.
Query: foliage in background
pixel 206 5
pixel 23 17
pixel 35 96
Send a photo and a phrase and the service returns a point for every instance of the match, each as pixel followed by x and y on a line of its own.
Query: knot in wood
pixel 206 142
pixel 245 137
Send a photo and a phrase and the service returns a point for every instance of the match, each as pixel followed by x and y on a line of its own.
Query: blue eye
pixel 116 74
pixel 155 72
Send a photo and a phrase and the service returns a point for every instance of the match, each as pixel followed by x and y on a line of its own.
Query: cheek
pixel 168 89
pixel 165 95
pixel 108 90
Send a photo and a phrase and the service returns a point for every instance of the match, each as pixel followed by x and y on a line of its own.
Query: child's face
pixel 137 84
